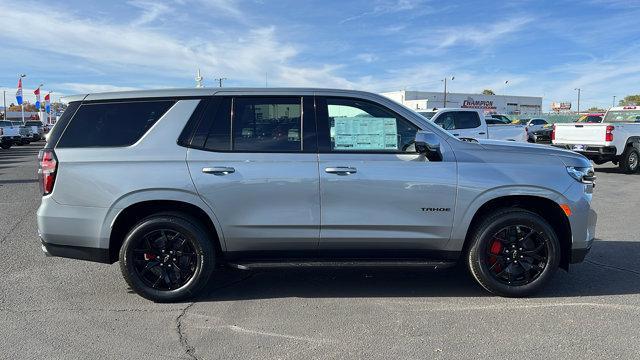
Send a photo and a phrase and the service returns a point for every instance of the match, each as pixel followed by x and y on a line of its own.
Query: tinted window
pixel 356 125
pixel 467 120
pixel 112 124
pixel 61 124
pixel 219 133
pixel 538 122
pixel 33 123
pixel 456 120
pixel 267 124
pixel 5 123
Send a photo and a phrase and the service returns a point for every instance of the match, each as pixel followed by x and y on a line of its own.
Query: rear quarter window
pixel 112 124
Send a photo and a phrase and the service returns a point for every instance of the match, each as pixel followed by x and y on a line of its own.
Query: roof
pixel 195 92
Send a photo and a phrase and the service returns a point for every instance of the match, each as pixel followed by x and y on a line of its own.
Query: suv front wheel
pixel 167 257
pixel 513 252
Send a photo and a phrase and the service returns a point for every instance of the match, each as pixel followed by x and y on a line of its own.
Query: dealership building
pixel 490 104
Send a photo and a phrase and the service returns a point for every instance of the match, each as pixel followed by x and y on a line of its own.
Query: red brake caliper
pixel 496 248
pixel 149 256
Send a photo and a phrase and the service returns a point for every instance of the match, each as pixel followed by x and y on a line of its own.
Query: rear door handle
pixel 219 170
pixel 341 170
pixel 481 133
pixel 456 134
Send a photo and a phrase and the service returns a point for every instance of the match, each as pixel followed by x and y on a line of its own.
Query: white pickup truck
pixel 9 134
pixel 470 123
pixel 616 139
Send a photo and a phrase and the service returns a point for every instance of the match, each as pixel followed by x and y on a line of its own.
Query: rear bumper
pixel 76 252
pixel 10 139
pixel 590 149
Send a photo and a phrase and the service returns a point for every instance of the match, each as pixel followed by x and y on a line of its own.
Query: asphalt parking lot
pixel 58 308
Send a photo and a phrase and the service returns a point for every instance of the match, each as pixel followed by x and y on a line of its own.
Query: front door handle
pixel 481 133
pixel 454 134
pixel 341 170
pixel 219 170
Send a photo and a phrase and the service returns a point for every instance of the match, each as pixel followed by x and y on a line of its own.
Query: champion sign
pixel 478 104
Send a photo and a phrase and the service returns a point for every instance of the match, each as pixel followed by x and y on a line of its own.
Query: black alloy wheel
pixel 164 259
pixel 167 257
pixel 517 255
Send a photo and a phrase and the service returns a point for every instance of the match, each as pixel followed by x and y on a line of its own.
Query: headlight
pixel 585 175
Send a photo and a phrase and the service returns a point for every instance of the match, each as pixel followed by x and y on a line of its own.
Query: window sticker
pixel 365 133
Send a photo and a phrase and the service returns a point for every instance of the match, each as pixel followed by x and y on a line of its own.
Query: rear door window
pixel 112 124
pixel 466 120
pixel 267 124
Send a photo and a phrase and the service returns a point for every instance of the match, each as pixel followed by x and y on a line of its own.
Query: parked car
pixel 9 134
pixel 590 118
pixel 543 136
pixel 25 133
pixel 366 182
pixel 471 123
pixel 37 129
pixel 503 119
pixel 533 125
pixel 616 139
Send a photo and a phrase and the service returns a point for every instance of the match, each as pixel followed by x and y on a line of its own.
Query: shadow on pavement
pixel 603 273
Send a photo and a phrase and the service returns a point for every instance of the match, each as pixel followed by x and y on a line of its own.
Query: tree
pixel 488 92
pixel 595 109
pixel 630 100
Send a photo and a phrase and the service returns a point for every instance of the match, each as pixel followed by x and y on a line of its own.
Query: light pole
pixel 614 101
pixel 20 76
pixel 4 98
pixel 445 90
pixel 579 90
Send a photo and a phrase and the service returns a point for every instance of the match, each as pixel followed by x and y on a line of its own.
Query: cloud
pixel 383 7
pixel 84 88
pixel 482 35
pixel 242 56
pixel 151 11
pixel 367 57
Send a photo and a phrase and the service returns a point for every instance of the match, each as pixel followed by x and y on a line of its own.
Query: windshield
pixel 34 123
pixel 5 123
pixel 427 114
pixel 622 116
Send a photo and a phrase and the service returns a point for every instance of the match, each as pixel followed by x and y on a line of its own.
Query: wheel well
pixel 136 212
pixel 547 209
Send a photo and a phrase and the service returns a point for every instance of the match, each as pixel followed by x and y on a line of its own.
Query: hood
pixel 570 158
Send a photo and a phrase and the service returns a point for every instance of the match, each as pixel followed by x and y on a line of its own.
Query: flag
pixel 36 92
pixel 19 92
pixel 47 103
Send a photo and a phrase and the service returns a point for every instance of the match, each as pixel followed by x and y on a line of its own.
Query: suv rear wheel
pixel 167 257
pixel 629 160
pixel 513 252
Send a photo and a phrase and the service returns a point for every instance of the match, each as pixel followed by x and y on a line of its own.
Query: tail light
pixel 553 132
pixel 47 167
pixel 609 134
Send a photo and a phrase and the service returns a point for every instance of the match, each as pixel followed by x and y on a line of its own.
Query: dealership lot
pixel 60 308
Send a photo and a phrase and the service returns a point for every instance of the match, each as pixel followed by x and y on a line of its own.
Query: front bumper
pixel 583 220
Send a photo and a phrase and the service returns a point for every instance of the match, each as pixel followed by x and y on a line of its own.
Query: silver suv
pixel 176 183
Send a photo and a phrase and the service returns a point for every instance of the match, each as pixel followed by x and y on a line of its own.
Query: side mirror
pixel 427 143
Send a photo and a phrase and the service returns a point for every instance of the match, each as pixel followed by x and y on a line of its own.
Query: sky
pixel 540 48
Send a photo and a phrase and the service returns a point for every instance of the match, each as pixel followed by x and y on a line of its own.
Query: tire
pixel 490 270
pixel 154 264
pixel 630 160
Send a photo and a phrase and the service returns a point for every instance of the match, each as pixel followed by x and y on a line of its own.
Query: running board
pixel 434 265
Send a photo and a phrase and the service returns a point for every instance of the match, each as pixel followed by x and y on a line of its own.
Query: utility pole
pixel 579 90
pixel 4 98
pixel 614 101
pixel 199 79
pixel 220 80
pixel 445 90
